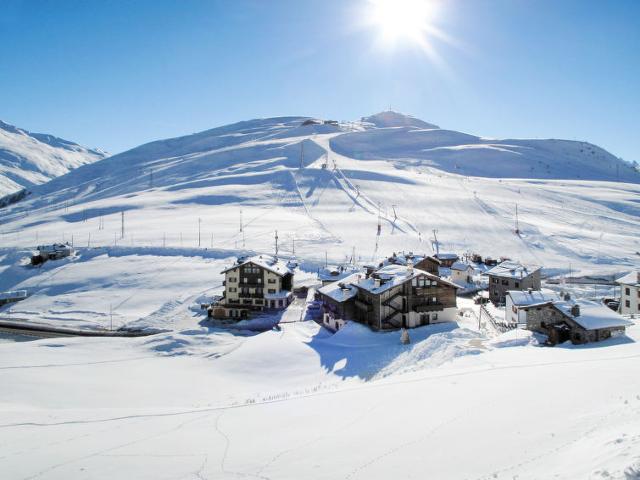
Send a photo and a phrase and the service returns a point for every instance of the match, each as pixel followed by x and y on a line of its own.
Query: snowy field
pixel 199 401
pixel 300 403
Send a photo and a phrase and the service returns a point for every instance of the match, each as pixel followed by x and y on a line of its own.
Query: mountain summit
pixel 28 159
pixel 396 119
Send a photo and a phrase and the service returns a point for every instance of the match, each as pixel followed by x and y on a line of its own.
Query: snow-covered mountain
pixel 28 159
pixel 323 185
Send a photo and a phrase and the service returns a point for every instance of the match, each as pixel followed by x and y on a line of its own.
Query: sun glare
pixel 402 19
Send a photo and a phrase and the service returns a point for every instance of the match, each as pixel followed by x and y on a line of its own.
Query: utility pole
pixel 517 231
pixel 199 223
pixel 242 229
pixel 276 244
pixel 122 224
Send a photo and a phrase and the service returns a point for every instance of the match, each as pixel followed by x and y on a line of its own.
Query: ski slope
pixel 28 159
pixel 324 186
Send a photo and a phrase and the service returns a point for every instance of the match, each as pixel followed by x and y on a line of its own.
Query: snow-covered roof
pixel 511 269
pixel 446 256
pixel 402 259
pixel 533 297
pixel 593 315
pixel 342 290
pixel 460 266
pixel 56 247
pixel 393 275
pixel 632 279
pixel 267 262
pixel 13 295
pixel 337 272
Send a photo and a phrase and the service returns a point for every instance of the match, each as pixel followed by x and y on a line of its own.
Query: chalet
pixel 426 263
pixel 55 251
pixel 447 259
pixel 255 284
pixel 630 293
pixel 462 273
pixel 393 296
pixel 518 303
pixel 510 275
pixel 338 305
pixel 580 321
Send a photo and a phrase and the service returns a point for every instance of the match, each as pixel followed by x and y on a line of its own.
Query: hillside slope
pixel 323 187
pixel 28 159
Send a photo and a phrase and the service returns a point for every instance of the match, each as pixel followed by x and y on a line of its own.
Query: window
pixel 434 300
pixel 258 301
pixel 517 284
pixel 247 301
pixel 233 279
pixel 244 291
pixel 280 303
pixel 627 291
pixel 627 303
pixel 495 280
pixel 272 290
pixel 259 280
pixel 434 316
pixel 271 280
pixel 232 290
pixel 505 282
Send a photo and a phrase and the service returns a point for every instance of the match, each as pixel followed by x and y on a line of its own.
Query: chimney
pixel 409 267
pixel 567 297
pixel 376 283
pixel 575 310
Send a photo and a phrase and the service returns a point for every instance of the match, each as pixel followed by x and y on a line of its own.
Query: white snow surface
pixel 164 187
pixel 28 159
pixel 300 403
pixel 201 401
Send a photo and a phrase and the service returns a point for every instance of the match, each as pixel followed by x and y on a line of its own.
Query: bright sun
pixel 402 19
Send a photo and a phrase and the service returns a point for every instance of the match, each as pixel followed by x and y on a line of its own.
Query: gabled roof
pixel 511 269
pixel 532 298
pixel 393 275
pixel 337 272
pixel 264 261
pixel 402 259
pixel 632 279
pixel 342 290
pixel 593 315
pixel 446 256
pixel 460 266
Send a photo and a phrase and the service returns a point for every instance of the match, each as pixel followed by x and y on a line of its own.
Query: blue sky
pixel 115 74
